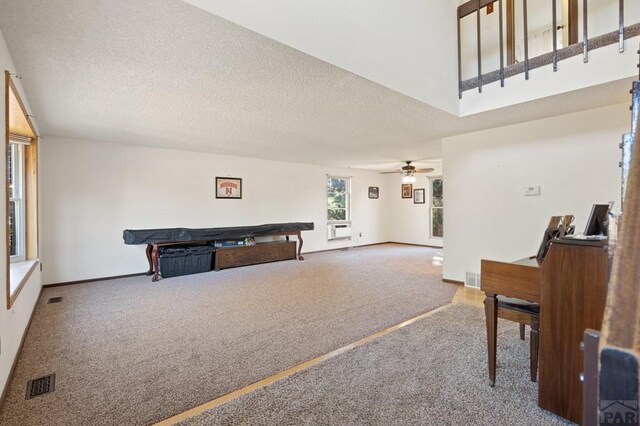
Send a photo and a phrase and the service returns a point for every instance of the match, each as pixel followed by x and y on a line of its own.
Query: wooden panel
pixel 515 316
pixel 517 280
pixel 230 257
pixel 18 121
pixel 619 376
pixel 573 21
pixel 472 6
pixel 573 296
pixel 31 199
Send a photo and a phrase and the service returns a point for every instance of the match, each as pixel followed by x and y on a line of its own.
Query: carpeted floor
pixel 432 372
pixel 131 352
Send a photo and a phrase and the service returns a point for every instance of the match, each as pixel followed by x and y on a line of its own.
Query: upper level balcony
pixel 540 48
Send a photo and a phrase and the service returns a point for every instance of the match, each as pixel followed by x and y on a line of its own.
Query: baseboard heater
pixel 338 231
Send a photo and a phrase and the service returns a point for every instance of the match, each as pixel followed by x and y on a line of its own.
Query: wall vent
pixel 40 386
pixel 472 280
pixel 339 231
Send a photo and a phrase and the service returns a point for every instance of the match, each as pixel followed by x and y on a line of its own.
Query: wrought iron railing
pixel 574 20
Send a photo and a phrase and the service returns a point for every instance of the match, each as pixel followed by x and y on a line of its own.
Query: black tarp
pixel 157 236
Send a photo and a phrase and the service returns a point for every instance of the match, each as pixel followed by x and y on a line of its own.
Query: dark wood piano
pixel 570 285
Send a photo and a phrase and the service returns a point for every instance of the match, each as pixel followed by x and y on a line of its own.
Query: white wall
pixel 603 16
pixel 92 191
pixel 574 158
pixel 410 223
pixel 14 321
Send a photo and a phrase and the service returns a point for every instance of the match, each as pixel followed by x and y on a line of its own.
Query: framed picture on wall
pixel 374 192
pixel 406 190
pixel 418 196
pixel 227 187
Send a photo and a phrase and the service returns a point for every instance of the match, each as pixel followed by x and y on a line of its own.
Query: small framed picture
pixel 406 190
pixel 374 192
pixel 227 187
pixel 418 196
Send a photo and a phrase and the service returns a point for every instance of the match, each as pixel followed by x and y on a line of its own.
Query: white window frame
pixel 431 179
pixel 347 198
pixel 19 198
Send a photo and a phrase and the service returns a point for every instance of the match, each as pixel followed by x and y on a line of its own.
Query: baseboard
pixel 92 280
pixel 5 389
pixel 416 245
pixel 446 280
pixel 344 248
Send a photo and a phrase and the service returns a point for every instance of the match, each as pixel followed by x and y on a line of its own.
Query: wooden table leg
pixel 154 259
pixel 491 312
pixel 534 348
pixel 148 253
pixel 300 246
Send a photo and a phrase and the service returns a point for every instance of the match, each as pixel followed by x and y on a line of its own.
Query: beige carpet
pixel 131 352
pixel 432 372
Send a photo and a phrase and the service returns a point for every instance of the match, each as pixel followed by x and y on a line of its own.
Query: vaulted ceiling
pixel 168 74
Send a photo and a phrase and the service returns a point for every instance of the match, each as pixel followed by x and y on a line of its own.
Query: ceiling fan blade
pixel 390 173
pixel 427 170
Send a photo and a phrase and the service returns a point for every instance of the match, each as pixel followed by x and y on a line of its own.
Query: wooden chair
pixel 524 313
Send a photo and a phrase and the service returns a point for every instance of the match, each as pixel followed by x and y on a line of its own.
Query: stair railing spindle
pixel 526 40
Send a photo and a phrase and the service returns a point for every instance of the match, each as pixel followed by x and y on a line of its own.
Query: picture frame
pixel 419 196
pixel 228 188
pixel 374 192
pixel 407 189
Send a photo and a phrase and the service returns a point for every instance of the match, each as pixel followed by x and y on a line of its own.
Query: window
pixel 338 198
pixel 21 185
pixel 437 212
pixel 16 219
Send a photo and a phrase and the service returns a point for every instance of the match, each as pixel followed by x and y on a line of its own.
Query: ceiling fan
pixel 407 171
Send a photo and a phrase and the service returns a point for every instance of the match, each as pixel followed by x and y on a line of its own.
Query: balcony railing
pixel 572 17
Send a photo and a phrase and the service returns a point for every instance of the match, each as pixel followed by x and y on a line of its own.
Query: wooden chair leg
pixel 521 331
pixel 491 312
pixel 534 348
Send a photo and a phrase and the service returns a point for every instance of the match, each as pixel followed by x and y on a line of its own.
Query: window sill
pixel 19 274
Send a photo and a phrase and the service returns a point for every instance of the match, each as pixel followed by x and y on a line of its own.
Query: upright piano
pixel 570 285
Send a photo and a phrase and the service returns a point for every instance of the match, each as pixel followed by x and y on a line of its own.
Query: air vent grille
pixel 472 280
pixel 55 300
pixel 40 386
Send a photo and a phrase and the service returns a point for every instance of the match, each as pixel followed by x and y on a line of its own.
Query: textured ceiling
pixel 167 74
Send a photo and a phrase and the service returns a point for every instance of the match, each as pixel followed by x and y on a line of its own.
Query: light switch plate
pixel 532 191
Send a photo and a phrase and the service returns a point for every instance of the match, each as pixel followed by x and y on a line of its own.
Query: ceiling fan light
pixel 408 178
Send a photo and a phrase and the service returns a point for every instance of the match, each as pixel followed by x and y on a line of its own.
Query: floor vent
pixel 55 299
pixel 472 280
pixel 40 386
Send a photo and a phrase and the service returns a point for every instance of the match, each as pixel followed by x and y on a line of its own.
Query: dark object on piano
pixel 554 230
pixel 549 235
pixel 156 236
pixel 598 219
